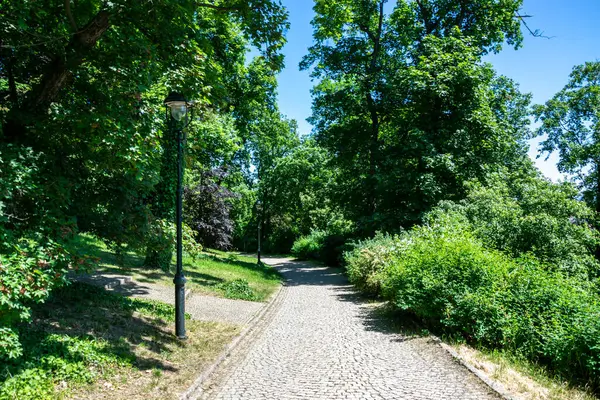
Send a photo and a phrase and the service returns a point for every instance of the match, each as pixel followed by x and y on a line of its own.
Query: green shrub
pixel 238 289
pixel 161 244
pixel 522 213
pixel 554 320
pixel 367 259
pixel 444 274
pixel 28 274
pixel 309 247
pixel 328 246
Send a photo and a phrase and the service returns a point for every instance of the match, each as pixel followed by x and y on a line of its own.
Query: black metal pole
pixel 179 276
pixel 258 252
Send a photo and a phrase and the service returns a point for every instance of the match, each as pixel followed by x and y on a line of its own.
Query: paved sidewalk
pixel 200 307
pixel 324 342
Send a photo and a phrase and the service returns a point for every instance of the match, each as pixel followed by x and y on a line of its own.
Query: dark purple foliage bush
pixel 207 210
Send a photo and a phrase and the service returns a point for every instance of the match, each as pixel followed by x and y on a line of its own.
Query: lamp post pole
pixel 179 106
pixel 258 219
pixel 258 242
pixel 179 279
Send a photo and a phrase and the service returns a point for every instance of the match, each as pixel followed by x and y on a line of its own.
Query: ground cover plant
pixel 87 342
pixel 216 273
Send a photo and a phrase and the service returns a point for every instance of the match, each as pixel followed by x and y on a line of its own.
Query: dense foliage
pixel 571 121
pixel 207 208
pixel 405 105
pixel 84 144
pixel 520 213
pixel 450 273
pixel 309 247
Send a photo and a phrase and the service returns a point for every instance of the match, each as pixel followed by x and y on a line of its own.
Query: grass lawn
pixel 86 343
pixel 253 256
pixel 215 273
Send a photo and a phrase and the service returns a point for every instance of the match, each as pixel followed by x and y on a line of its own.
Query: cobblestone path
pixel 323 342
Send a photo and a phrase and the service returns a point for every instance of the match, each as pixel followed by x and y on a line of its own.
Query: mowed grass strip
pixel 213 273
pixel 86 343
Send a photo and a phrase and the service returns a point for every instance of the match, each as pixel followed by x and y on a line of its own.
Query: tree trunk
pixel 58 73
pixel 373 112
pixel 373 152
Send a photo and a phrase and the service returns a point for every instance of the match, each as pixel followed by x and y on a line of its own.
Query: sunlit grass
pixel 208 274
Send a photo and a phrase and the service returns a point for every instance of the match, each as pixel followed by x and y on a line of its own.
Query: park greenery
pixel 86 342
pixel 222 274
pixel 415 178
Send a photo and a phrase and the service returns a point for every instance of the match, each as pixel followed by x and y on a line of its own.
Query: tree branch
pixel 57 74
pixel 70 15
pixel 426 17
pixel 367 31
pixel 534 33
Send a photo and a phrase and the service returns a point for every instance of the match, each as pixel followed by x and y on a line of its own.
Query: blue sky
pixel 541 67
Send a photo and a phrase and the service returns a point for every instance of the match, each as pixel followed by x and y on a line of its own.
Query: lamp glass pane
pixel 178 111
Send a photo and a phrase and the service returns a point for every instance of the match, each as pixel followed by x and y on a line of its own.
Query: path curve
pixel 324 342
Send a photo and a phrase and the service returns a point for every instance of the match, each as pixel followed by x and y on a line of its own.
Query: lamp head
pixel 178 105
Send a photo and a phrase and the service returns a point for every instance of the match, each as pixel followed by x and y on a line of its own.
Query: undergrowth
pixel 82 334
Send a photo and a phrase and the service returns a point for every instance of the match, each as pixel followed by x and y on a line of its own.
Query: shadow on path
pixel 375 315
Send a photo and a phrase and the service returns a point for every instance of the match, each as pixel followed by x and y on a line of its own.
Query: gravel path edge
pixel 495 386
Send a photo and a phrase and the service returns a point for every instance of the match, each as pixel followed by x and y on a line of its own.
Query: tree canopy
pixel 407 107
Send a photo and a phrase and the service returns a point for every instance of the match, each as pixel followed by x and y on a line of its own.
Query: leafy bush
pixel 327 245
pixel 238 289
pixel 159 244
pixel 27 276
pixel 309 247
pixel 162 240
pixel 519 213
pixel 31 264
pixel 444 274
pixel 367 259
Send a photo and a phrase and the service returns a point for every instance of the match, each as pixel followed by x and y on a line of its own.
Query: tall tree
pixel 174 33
pixel 571 121
pixel 403 97
pixel 298 187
